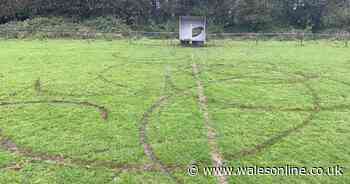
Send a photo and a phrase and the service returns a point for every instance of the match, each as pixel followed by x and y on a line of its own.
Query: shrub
pixel 58 27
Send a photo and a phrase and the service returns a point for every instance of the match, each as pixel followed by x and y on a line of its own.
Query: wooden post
pixel 7 34
pixel 346 39
pixel 302 39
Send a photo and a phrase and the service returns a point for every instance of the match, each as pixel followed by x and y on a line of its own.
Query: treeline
pixel 223 15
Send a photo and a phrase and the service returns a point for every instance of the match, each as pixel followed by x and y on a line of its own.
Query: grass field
pixel 142 111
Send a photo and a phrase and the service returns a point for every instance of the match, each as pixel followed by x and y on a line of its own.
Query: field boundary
pixel 257 36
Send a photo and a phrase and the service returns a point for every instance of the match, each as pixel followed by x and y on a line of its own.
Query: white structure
pixel 192 30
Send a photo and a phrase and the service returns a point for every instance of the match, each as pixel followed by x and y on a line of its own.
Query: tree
pixel 252 14
pixel 246 15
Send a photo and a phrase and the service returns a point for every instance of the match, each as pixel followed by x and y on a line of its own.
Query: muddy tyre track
pixel 103 111
pixel 33 157
pixel 148 150
pixel 283 134
pixel 216 156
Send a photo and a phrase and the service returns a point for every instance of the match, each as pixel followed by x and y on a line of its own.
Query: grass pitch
pixel 129 111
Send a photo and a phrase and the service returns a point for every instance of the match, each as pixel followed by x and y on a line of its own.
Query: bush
pixel 108 24
pixel 58 27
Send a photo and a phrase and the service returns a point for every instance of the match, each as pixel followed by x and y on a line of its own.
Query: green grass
pixel 254 93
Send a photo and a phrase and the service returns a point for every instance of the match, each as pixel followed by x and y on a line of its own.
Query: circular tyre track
pixel 148 150
pixel 147 147
pixel 313 111
pixel 10 146
pixel 157 165
pixel 103 111
pixel 301 79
